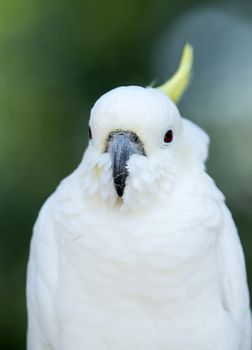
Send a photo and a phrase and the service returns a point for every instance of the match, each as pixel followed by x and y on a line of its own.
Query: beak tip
pixel 119 191
pixel 119 187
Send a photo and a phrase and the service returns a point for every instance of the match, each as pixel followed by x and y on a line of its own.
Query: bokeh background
pixel 58 57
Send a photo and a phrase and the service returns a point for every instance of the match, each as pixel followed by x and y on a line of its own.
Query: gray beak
pixel 121 145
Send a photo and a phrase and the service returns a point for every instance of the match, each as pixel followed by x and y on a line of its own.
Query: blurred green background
pixel 58 57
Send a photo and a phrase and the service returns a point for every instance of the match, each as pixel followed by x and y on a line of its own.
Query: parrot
pixel 137 249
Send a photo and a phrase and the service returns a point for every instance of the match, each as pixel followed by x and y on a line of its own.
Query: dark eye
pixel 168 136
pixel 89 133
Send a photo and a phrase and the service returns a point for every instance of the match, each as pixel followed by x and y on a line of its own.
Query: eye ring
pixel 168 137
pixel 89 133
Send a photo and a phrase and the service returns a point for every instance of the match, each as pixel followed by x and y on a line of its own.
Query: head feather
pixel 176 85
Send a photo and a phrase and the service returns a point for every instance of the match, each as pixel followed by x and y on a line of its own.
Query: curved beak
pixel 121 145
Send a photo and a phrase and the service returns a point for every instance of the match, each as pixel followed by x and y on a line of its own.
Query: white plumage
pixel 160 268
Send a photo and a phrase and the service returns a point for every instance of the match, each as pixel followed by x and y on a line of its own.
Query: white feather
pixel 160 269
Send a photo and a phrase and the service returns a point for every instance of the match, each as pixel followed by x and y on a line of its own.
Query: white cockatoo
pixel 136 249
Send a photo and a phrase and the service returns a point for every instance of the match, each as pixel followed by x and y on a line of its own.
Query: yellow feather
pixel 176 85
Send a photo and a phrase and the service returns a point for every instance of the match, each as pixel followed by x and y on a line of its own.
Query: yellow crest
pixel 176 85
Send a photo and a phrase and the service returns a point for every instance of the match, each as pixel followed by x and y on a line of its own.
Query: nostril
pixel 124 134
pixel 136 139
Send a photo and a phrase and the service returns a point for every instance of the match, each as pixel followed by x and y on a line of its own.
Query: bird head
pixel 138 142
